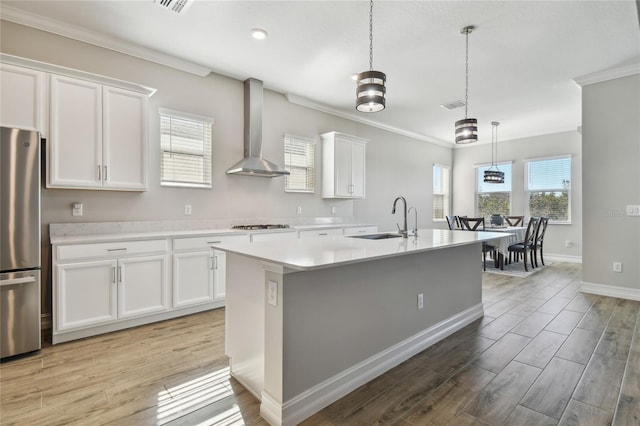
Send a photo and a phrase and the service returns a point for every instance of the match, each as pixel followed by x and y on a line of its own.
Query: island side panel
pixel 244 321
pixel 334 318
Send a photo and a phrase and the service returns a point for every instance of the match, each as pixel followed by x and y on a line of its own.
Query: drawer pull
pixel 323 233
pixel 214 242
pixel 118 249
pixel 362 231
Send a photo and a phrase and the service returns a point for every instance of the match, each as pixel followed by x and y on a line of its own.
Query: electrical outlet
pixel 633 210
pixel 272 293
pixel 333 209
pixel 299 209
pixel 568 243
pixel 187 209
pixel 617 266
pixel 420 301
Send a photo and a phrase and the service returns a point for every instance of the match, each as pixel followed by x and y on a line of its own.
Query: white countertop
pixel 317 253
pixel 89 234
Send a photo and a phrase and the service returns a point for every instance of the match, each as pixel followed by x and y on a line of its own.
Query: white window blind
pixel 185 143
pixel 441 191
pixel 549 187
pixel 299 161
pixel 493 198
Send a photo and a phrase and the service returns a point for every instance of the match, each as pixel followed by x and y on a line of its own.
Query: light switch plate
pixel 187 209
pixel 77 209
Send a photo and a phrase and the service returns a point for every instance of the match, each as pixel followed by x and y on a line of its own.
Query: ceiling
pixel 523 55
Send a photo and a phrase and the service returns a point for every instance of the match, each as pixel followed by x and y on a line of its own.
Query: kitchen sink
pixel 383 236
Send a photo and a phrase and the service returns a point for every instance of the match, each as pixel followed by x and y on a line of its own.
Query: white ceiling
pixel 523 55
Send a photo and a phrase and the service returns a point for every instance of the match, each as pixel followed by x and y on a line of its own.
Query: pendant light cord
pixel 466 60
pixel 494 131
pixel 371 35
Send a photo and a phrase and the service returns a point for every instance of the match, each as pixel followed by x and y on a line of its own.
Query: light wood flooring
pixel 544 354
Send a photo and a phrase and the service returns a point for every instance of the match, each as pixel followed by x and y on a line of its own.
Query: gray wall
pixel 611 177
pixel 395 164
pixel 517 151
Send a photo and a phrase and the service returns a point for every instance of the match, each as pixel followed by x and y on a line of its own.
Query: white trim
pixel 601 76
pixel 73 73
pixel 11 14
pixel 185 115
pixel 307 103
pixel 562 257
pixel 611 291
pixel 549 157
pixel 321 395
pixel 500 163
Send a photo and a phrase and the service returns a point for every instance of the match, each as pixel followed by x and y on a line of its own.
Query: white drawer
pixel 319 233
pixel 207 242
pixel 111 249
pixel 271 236
pixel 360 230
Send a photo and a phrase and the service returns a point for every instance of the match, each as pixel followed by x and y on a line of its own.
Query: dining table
pixel 517 234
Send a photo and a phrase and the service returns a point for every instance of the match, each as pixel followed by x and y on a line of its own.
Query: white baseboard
pixel 562 258
pixel 316 398
pixel 611 291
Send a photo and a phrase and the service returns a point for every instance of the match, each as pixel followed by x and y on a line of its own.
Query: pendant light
pixel 466 129
pixel 371 90
pixel 491 175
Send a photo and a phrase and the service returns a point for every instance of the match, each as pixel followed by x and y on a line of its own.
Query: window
pixel 299 161
pixel 548 188
pixel 493 198
pixel 185 142
pixel 441 189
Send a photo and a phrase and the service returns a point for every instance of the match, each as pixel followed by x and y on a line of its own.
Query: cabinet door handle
pixel 120 274
pixel 113 274
pixel 99 172
pixel 214 242
pixel 118 249
pixel 105 172
pixel 215 262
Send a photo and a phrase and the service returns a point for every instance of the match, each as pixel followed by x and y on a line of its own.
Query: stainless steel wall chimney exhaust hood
pixel 253 164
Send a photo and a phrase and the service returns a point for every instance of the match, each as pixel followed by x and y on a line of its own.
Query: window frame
pixel 207 151
pixel 478 179
pixel 446 203
pixel 527 191
pixel 309 167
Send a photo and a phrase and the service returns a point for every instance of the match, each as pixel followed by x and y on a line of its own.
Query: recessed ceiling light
pixel 259 33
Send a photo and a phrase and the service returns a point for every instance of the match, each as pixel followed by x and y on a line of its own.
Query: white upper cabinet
pixel 343 166
pixel 98 136
pixel 21 98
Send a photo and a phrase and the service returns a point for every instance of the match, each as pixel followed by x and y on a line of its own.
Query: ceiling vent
pixel 453 105
pixel 177 6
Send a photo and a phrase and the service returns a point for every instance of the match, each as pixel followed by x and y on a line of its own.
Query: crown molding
pixel 17 16
pixel 307 103
pixel 610 74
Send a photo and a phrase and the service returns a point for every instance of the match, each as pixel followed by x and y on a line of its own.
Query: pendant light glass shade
pixel 493 174
pixel 371 90
pixel 467 128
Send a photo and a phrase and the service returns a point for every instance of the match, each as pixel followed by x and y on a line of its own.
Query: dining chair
pixel 514 220
pixel 541 229
pixel 453 222
pixel 477 224
pixel 526 247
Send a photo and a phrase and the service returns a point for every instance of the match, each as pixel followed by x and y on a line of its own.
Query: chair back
pixel 453 222
pixel 514 220
pixel 530 236
pixel 472 223
pixel 541 229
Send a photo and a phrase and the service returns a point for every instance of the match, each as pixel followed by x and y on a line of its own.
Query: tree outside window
pixel 493 198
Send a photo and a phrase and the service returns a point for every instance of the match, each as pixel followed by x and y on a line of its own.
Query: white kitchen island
pixel 308 321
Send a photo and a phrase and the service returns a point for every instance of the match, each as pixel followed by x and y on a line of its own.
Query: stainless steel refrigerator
pixel 19 241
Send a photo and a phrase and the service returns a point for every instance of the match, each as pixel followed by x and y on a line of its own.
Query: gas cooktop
pixel 251 227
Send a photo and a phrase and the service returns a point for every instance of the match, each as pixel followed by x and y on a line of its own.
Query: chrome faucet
pixel 402 231
pixel 414 231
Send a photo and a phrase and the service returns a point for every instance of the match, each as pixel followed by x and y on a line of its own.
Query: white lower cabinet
pixel 86 294
pixel 142 286
pixel 199 269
